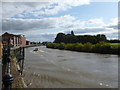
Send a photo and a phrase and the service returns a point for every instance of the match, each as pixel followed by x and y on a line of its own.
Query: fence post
pixel 7 77
pixel 23 54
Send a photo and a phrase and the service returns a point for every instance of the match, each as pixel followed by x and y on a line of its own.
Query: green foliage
pixel 87 47
pixel 61 46
pixel 101 47
pixel 50 45
pixel 79 47
pixel 70 46
pixel 71 38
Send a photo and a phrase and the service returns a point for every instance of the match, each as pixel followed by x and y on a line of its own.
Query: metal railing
pixel 8 54
pixel 19 53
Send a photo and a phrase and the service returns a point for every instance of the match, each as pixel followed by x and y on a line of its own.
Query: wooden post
pixel 23 54
pixel 7 78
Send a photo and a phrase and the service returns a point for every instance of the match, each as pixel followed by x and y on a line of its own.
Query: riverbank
pixel 15 67
pixel 18 79
pixel 102 47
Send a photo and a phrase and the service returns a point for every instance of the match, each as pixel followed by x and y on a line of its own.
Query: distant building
pixel 22 40
pixel 9 39
pixel 28 42
pixel 13 40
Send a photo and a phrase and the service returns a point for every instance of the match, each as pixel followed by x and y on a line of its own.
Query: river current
pixel 53 68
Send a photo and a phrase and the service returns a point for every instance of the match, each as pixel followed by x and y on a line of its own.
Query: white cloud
pixel 52 7
pixel 25 0
pixel 36 8
pixel 10 9
pixel 99 27
pixel 63 5
pixel 113 23
pixel 95 21
pixel 33 24
pixel 42 37
pixel 66 22
pixel 105 0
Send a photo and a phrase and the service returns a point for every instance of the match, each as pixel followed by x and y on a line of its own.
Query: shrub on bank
pixel 101 47
pixel 70 46
pixel 115 50
pixel 50 45
pixel 87 47
pixel 79 47
pixel 61 46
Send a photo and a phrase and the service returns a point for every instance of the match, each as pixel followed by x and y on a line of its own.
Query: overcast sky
pixel 41 21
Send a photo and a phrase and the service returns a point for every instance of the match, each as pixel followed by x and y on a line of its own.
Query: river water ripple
pixel 54 68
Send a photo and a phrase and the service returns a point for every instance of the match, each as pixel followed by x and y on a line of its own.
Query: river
pixel 53 68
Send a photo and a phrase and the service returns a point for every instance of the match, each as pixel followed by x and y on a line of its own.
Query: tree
pixel 71 38
pixel 72 33
pixel 59 38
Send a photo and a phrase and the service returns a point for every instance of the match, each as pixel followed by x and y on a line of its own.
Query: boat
pixel 36 49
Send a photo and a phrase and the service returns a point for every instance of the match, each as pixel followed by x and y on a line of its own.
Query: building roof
pixel 6 33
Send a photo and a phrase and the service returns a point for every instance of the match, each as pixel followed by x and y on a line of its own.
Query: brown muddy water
pixel 52 68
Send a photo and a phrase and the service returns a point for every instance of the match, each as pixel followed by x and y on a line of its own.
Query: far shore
pixel 102 47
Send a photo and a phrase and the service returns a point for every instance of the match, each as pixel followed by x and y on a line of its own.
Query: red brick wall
pixel 23 40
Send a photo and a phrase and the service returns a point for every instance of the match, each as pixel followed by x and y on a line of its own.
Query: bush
pixel 96 48
pixel 79 47
pixel 50 45
pixel 105 48
pixel 62 46
pixel 70 46
pixel 101 47
pixel 87 47
pixel 115 50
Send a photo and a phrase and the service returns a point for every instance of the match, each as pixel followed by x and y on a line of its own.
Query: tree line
pixel 85 43
pixel 71 38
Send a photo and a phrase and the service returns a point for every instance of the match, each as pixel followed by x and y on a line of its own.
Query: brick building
pixel 13 40
pixel 22 40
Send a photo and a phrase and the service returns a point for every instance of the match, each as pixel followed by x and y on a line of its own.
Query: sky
pixel 41 21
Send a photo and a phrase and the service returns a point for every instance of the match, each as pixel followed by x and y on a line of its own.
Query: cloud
pixel 99 27
pixel 95 21
pixel 42 37
pixel 56 0
pixel 113 23
pixel 27 24
pixel 11 9
pixel 66 22
pixel 33 24
pixel 110 33
pixel 114 26
pixel 93 30
pixel 25 0
pixel 63 5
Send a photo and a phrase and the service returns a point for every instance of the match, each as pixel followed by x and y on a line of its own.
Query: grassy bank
pixel 102 47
